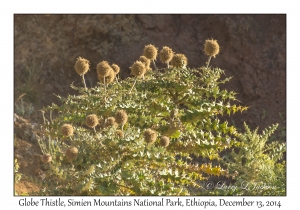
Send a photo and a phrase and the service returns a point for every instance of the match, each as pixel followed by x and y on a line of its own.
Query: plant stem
pixel 154 64
pixel 208 61
pixel 83 81
pixel 133 84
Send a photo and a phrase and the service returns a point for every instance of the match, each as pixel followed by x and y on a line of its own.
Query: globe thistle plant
pixel 82 66
pixel 104 70
pixel 121 117
pixel 92 121
pixel 71 153
pixel 138 69
pixel 179 60
pixel 211 48
pixel 164 141
pixel 150 136
pixel 166 55
pixel 67 130
pixel 47 158
pixel 145 61
pixel 150 52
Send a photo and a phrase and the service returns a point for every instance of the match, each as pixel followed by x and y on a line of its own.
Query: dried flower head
pixel 145 61
pixel 91 120
pixel 116 68
pixel 150 52
pixel 67 130
pixel 179 60
pixel 166 54
pixel 164 141
pixel 211 47
pixel 46 158
pixel 150 136
pixel 108 79
pixel 119 133
pixel 82 66
pixel 103 69
pixel 121 117
pixel 71 153
pixel 138 69
pixel 110 121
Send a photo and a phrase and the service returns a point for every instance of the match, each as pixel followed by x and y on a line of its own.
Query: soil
pixel 253 52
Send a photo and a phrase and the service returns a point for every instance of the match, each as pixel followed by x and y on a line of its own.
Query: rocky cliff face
pixel 253 51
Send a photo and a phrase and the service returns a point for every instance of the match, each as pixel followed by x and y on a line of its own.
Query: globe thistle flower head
pixel 179 60
pixel 91 120
pixel 82 66
pixel 211 47
pixel 164 141
pixel 166 54
pixel 67 130
pixel 108 79
pixel 138 69
pixel 119 133
pixel 111 121
pixel 145 61
pixel 71 153
pixel 46 158
pixel 121 117
pixel 150 136
pixel 150 52
pixel 116 68
pixel 103 69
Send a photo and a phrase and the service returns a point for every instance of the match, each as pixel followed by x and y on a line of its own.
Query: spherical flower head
pixel 145 61
pixel 108 79
pixel 67 130
pixel 164 141
pixel 179 60
pixel 116 68
pixel 110 121
pixel 46 158
pixel 211 47
pixel 150 136
pixel 104 69
pixel 119 133
pixel 138 69
pixel 82 66
pixel 91 120
pixel 71 153
pixel 121 117
pixel 166 54
pixel 150 52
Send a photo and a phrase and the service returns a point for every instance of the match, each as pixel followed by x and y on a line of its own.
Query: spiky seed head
pixel 108 79
pixel 211 47
pixel 150 136
pixel 138 69
pixel 71 153
pixel 166 54
pixel 119 133
pixel 82 66
pixel 46 158
pixel 121 117
pixel 145 61
pixel 179 60
pixel 150 52
pixel 164 141
pixel 116 68
pixel 111 121
pixel 103 69
pixel 91 120
pixel 67 130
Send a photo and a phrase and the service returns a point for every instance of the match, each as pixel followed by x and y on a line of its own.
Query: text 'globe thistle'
pixel 104 69
pixel 71 153
pixel 150 52
pixel 91 120
pixel 67 130
pixel 46 158
pixel 211 47
pixel 150 136
pixel 164 141
pixel 138 69
pixel 121 117
pixel 166 54
pixel 82 66
pixel 179 60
